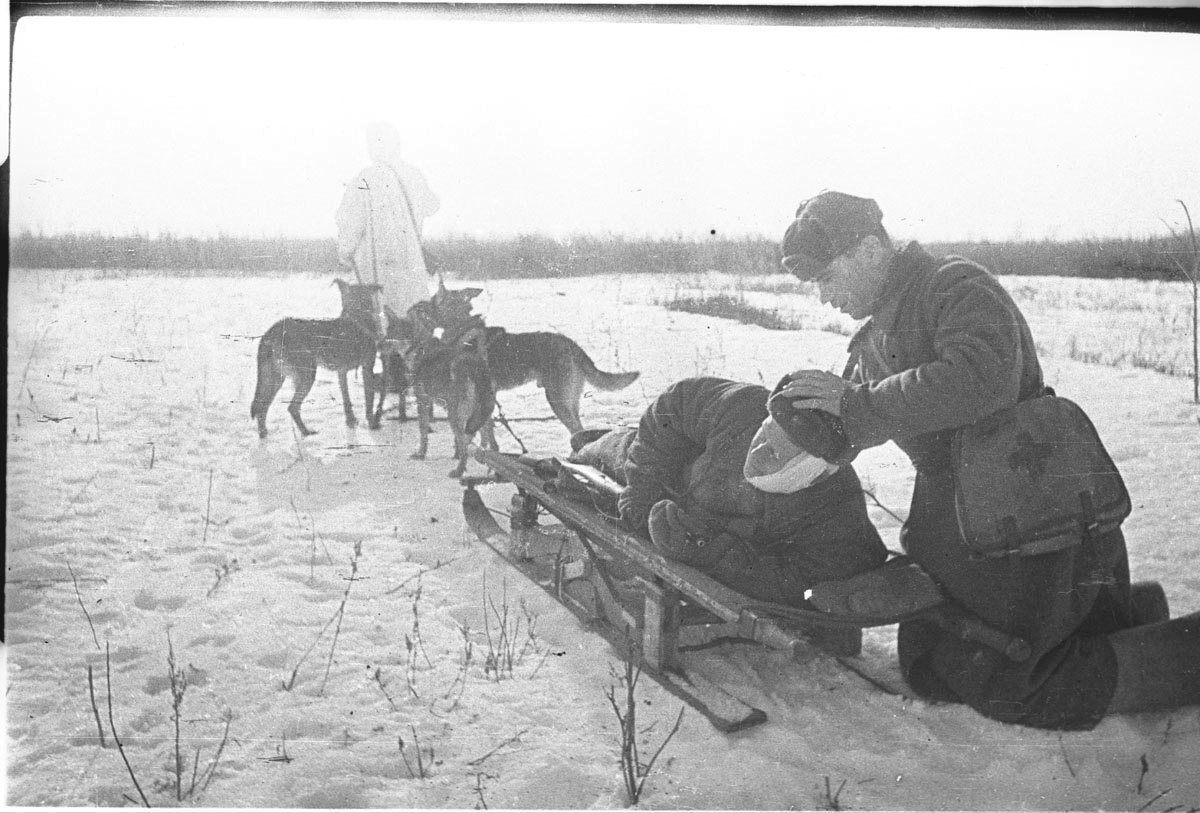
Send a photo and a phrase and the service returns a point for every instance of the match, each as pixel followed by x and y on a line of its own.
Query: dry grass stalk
pixel 337 616
pixel 1192 247
pixel 378 679
pixel 831 800
pixel 113 727
pixel 312 560
pixel 479 777
pixel 422 771
pixel 95 710
pixel 208 508
pixel 507 648
pixel 459 684
pixel 341 611
pixel 86 614
pixel 179 683
pixel 438 564
pixel 224 570
pixel 514 738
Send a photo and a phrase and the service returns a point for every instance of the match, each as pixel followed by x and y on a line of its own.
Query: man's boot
pixel 772 578
pixel 1149 603
pixel 1158 665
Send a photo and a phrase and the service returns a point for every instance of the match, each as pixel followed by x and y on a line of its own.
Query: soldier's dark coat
pixel 691 445
pixel 945 347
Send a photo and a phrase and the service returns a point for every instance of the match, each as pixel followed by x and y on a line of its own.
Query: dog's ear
pixel 471 293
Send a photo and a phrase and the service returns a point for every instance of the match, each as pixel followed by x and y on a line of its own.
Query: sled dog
pixel 555 362
pixel 453 375
pixel 294 348
pixel 446 315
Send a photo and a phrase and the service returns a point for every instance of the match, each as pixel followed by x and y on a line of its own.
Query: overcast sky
pixel 251 125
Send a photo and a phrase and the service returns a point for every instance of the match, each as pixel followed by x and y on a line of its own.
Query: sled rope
pixel 504 422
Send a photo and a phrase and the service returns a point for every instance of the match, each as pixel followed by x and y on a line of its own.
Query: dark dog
pixel 447 315
pixel 555 362
pixel 294 348
pixel 451 374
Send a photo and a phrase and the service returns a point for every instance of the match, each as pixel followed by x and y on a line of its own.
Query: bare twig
pixel 341 612
pixel 208 508
pixel 633 772
pixel 438 564
pixel 290 682
pixel 1157 796
pixel 113 727
pixel 32 354
pixel 479 788
pixel 312 560
pixel 512 739
pixel 86 614
pixel 212 767
pixel 403 756
pixel 460 679
pixel 178 680
pixel 830 802
pixel 378 678
pixel 868 492
pixel 422 771
pixel 95 711
pixel 224 570
pixel 1066 759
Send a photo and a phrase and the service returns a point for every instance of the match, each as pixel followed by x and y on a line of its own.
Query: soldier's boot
pixel 773 578
pixel 1149 603
pixel 1158 665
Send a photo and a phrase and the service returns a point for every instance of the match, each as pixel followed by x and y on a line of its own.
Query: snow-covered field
pixel 144 515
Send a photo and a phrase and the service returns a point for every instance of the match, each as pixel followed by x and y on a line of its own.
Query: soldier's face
pixel 852 282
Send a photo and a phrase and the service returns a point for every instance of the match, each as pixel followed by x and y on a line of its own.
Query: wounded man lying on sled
pixel 718 482
pixel 719 485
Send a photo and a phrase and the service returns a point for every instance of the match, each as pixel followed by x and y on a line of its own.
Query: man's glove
pixel 818 431
pixel 682 537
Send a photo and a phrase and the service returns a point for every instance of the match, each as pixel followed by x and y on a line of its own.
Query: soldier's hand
pixel 675 533
pixel 815 389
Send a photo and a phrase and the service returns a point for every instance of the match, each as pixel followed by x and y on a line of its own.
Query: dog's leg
pixel 487 435
pixel 347 407
pixel 270 379
pixel 563 397
pixel 305 375
pixel 398 383
pixel 373 385
pixel 454 414
pixel 424 416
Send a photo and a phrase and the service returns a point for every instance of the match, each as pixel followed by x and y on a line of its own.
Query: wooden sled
pixel 647 606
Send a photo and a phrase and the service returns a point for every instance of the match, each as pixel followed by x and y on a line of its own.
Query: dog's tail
pixel 472 370
pixel 270 369
pixel 602 380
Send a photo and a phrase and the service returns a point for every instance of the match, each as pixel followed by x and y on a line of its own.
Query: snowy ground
pixel 133 465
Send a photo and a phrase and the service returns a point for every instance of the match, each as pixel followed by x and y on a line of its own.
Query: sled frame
pixel 650 608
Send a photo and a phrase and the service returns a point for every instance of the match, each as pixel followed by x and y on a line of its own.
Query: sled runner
pixel 657 608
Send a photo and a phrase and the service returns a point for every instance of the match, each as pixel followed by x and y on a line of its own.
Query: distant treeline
pixel 538 256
